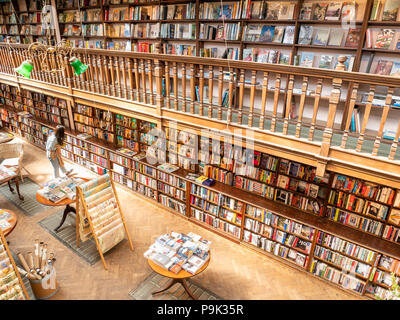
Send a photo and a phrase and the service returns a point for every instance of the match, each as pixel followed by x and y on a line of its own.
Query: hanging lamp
pixel 78 66
pixel 25 68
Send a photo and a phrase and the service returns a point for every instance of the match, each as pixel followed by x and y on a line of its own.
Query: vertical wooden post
pixel 118 72
pixel 210 90
pixel 159 87
pixel 385 112
pixel 101 67
pixel 184 87
pixel 175 74
pixel 137 82
pixel 167 84
pixel 192 89
pixel 352 103
pixel 111 66
pixel 301 106
pixel 230 97
pixel 252 96
pixel 130 93
pixel 220 91
pixel 317 98
pixel 367 111
pixel 143 72
pixel 276 101
pixel 201 89
pixel 395 143
pixel 263 100
pixel 288 106
pixel 150 73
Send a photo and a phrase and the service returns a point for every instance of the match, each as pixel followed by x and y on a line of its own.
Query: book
pixel 321 37
pixel 273 56
pixel 248 54
pixel 267 33
pixel 286 11
pixel 305 34
pixel 307 59
pixel 288 38
pixel 333 11
pixel 349 11
pixel 384 38
pixel 395 217
pixel 319 11
pixel 390 10
pixel 305 11
pixel 284 59
pixel 336 38
pixel 262 55
pixel 273 9
pixel 395 71
pixel 383 67
pixel 325 62
pixel 278 34
pixel 353 38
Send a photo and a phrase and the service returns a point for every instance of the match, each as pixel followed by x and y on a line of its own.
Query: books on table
pixel 60 188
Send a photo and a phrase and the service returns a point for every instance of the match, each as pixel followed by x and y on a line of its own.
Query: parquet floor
pixel 235 272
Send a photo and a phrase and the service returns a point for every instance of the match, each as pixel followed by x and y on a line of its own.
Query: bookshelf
pixel 242 204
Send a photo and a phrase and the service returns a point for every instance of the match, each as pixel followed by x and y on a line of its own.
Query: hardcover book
pixel 395 217
pixel 321 37
pixel 284 59
pixel 390 10
pixel 395 69
pixel 333 11
pixel 286 11
pixel 325 62
pixel 262 55
pixel 305 11
pixel 288 38
pixel 267 33
pixel 278 34
pixel 353 38
pixel 273 9
pixel 336 38
pixel 307 59
pixel 305 34
pixel 384 38
pixel 273 56
pixel 319 10
pixel 383 67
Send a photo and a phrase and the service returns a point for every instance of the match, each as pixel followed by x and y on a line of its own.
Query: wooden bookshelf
pixel 282 231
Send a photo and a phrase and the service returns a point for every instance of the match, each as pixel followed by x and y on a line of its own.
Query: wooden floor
pixel 235 272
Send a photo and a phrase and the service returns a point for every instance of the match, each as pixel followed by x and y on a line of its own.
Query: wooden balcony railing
pixel 316 105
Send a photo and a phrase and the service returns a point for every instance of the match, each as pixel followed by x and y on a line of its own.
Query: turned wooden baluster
pixel 352 103
pixel 125 70
pixel 101 67
pixel 395 144
pixel 150 72
pixel 241 95
pixel 230 97
pixel 90 72
pixel 184 87
pixel 277 91
pixel 96 74
pixel 158 75
pixel 2 69
pixel 84 75
pixel 36 71
pixel 118 78
pixel 317 98
pixel 63 74
pixel 301 106
pixel 137 82
pixel 367 111
pixel 192 89
pixel 58 67
pixel 167 84
pixel 288 106
pixel 210 90
pixel 130 93
pixel 385 112
pixel 220 91
pixel 68 72
pixel 263 100
pixel 111 67
pixel 80 77
pixel 107 78
pixel 201 89
pixel 175 74
pixel 144 88
pixel 252 96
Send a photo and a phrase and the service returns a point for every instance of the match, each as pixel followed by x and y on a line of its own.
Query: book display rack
pixel 305 33
pixel 326 226
pixel 12 287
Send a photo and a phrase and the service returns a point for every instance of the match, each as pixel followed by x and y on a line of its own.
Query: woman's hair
pixel 59 133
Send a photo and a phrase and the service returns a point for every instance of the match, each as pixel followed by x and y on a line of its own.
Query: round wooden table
pixel 66 202
pixel 177 277
pixel 12 220
pixel 6 137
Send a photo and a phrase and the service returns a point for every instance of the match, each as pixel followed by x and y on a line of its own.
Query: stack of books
pixel 60 188
pixel 178 251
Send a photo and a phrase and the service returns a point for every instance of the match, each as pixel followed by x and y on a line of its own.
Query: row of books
pixel 25 18
pixel 365 189
pixel 324 36
pixel 172 203
pixel 269 10
pixel 385 10
pixel 178 31
pixel 269 33
pixel 228 31
pixel 178 49
pixel 328 11
pixel 217 11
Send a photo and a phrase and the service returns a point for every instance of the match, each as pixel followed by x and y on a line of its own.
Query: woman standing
pixel 53 151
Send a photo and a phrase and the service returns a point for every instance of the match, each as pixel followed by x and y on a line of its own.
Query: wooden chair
pixel 12 154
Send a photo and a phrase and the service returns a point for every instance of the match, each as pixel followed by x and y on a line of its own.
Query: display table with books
pixel 60 192
pixel 6 137
pixel 9 174
pixel 179 256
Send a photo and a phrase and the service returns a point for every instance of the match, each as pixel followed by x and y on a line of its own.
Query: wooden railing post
pixel 317 98
pixel 288 106
pixel 263 100
pixel 352 103
pixel 276 101
pixel 210 90
pixel 367 111
pixel 301 107
pixel 158 73
pixel 328 132
pixel 252 96
pixel 395 143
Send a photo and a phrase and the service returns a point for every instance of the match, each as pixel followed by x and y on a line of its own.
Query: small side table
pixel 6 137
pixel 11 220
pixel 66 202
pixel 177 277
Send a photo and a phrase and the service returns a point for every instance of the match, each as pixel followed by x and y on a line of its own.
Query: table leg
pixel 17 185
pixel 172 282
pixel 9 185
pixel 67 210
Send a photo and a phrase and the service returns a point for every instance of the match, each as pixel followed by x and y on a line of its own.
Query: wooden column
pixel 317 98
pixel 301 106
pixel 276 101
pixel 183 87
pixel 220 91
pixel 118 72
pixel 210 91
pixel 263 100
pixel 352 103
pixel 130 93
pixel 175 74
pixel 192 89
pixel 288 106
pixel 137 82
pixel 167 85
pixel 230 97
pixel 385 112
pixel 201 89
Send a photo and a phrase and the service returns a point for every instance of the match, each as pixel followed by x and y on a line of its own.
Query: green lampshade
pixel 78 66
pixel 25 68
